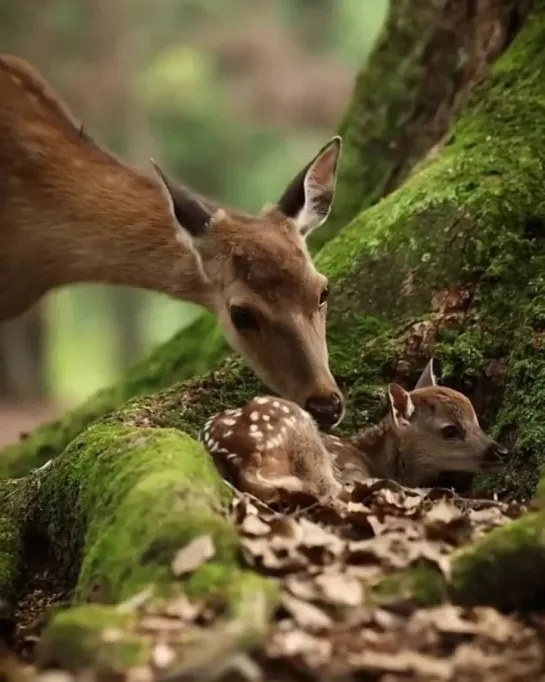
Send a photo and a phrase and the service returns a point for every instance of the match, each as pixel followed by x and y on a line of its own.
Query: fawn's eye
pixel 324 295
pixel 451 431
pixel 243 318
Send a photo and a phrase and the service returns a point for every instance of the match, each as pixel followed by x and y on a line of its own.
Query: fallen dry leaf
pixel 253 525
pixel 306 615
pixel 163 655
pixel 340 588
pixel 329 627
pixel 193 555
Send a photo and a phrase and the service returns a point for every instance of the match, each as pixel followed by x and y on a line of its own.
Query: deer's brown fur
pixel 72 212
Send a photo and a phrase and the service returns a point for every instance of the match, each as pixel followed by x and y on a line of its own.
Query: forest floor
pixel 17 419
pixel 328 626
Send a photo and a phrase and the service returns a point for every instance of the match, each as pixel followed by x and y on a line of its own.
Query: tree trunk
pixel 427 60
pixel 451 263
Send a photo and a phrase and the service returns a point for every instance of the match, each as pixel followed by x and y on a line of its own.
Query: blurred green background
pixel 232 96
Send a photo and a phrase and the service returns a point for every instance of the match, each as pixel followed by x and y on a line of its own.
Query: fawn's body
pixel 72 212
pixel 265 446
pixel 271 443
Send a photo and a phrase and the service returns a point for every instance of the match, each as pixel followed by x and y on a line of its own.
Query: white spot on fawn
pixel 254 416
pixel 253 427
pixel 266 417
pixel 262 400
pixel 276 403
pixel 229 422
pixel 285 409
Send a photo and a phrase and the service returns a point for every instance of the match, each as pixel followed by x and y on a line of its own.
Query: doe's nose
pixel 327 411
pixel 495 452
pixel 501 450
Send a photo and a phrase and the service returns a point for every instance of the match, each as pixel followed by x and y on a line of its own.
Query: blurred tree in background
pixel 233 96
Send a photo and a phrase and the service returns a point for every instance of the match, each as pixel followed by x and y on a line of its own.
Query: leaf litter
pixel 328 625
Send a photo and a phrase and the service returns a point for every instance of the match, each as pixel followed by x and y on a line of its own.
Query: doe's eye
pixel 451 431
pixel 243 318
pixel 323 296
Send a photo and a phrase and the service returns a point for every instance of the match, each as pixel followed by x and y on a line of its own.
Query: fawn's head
pixel 270 299
pixel 438 431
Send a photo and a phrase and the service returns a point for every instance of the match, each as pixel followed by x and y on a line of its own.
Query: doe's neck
pixel 113 226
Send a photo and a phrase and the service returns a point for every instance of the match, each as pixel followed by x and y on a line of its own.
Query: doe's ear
pixel 427 378
pixel 192 218
pixel 307 200
pixel 401 405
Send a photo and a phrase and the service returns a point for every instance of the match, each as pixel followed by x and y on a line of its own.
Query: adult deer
pixel 72 212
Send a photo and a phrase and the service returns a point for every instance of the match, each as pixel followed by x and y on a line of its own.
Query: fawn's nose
pixel 327 411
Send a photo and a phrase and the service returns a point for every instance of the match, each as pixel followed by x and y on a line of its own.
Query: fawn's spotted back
pixel 263 446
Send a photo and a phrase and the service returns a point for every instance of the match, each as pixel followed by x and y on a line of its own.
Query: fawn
pixel 272 443
pixel 72 212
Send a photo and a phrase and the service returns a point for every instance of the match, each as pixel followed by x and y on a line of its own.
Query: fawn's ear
pixel 192 220
pixel 307 200
pixel 427 378
pixel 401 405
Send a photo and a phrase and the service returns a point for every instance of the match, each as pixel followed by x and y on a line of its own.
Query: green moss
pixel 504 569
pixel 394 83
pixel 115 508
pixel 92 635
pixel 131 497
pixel 192 351
pixel 11 540
pixel 420 584
pixel 230 582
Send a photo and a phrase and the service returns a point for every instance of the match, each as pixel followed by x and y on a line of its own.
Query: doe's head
pixel 438 431
pixel 270 299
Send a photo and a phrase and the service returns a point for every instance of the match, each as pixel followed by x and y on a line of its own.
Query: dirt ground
pixel 17 419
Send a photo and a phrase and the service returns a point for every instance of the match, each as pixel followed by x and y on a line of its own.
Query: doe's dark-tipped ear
pixel 401 405
pixel 427 378
pixel 307 200
pixel 192 218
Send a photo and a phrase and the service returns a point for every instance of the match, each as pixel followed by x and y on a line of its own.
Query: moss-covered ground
pixel 110 514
